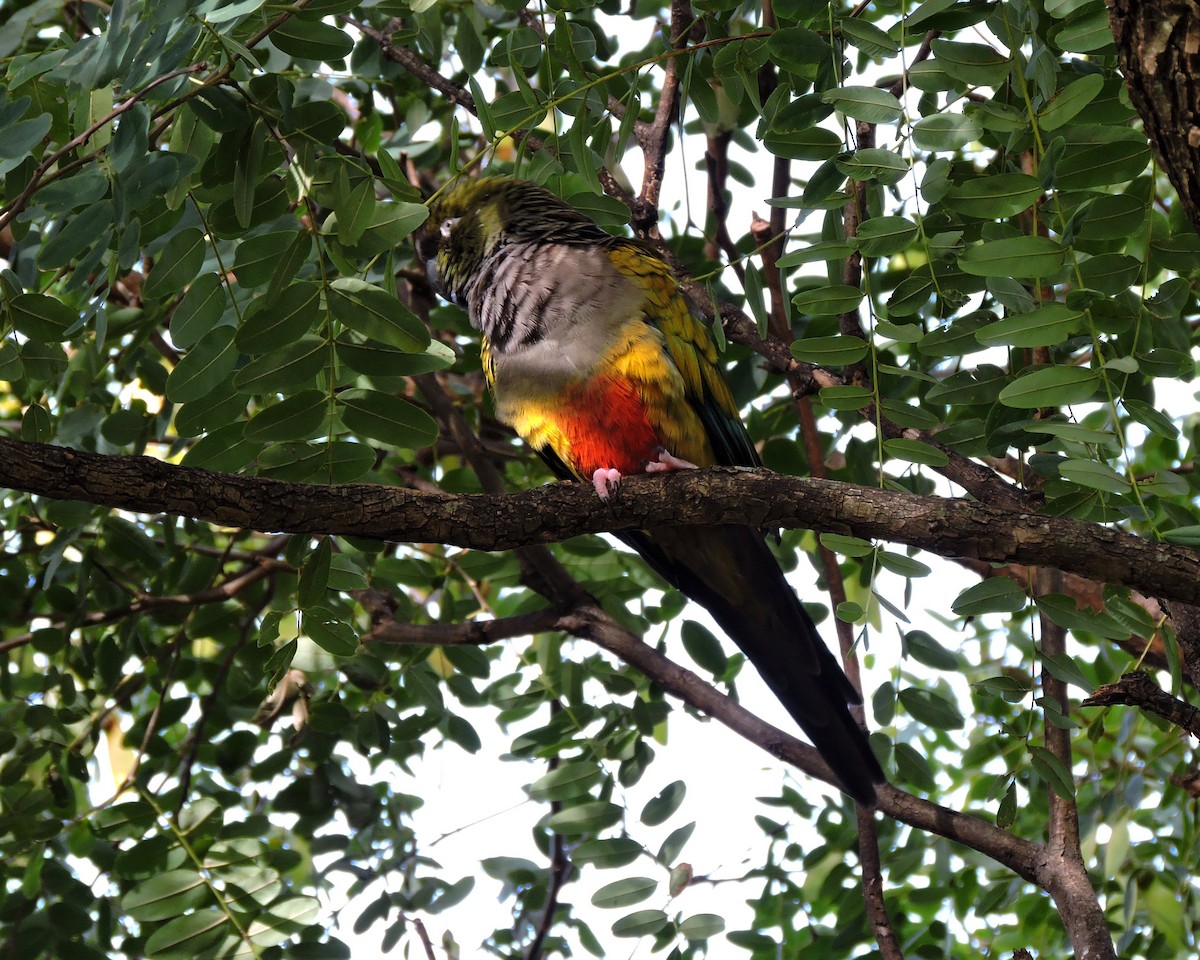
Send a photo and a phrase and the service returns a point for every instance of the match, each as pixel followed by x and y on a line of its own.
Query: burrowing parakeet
pixel 600 363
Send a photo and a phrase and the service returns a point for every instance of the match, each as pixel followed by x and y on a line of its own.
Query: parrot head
pixel 478 218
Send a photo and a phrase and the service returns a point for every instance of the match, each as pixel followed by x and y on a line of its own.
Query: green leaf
pixel 994 595
pixel 625 892
pixel 826 250
pixel 1053 771
pixel 388 418
pixel 285 321
pixel 1094 474
pixel 1150 417
pixel 874 163
pixel 314 575
pixel 605 854
pixel 375 313
pixel 1112 217
pixel 868 104
pixel 868 38
pixel 296 418
pixel 1047 325
pixel 846 397
pixel 704 648
pixel 1066 669
pixel 208 363
pixel 1098 165
pixel 289 365
pixel 177 264
pixel 1051 387
pixel 572 779
pixel 924 649
pixel 811 143
pixel 21 137
pixel 583 819
pixel 828 301
pixel 847 546
pixel 913 768
pixel 311 40
pixel 380 360
pixel 660 808
pixel 849 612
pixel 1085 34
pixel 971 63
pixel 199 311
pixel 946 131
pixel 42 318
pixel 77 234
pixel 830 351
pixel 1063 611
pixel 1013 257
pixel 186 936
pixel 669 852
pixel 356 212
pixel 641 923
pixel 915 451
pixel 329 632
pixel 1069 101
pixel 255 260
pixel 884 236
pixel 798 50
pixel 996 197
pixel 165 895
pixel 283 919
pixel 701 926
pixel 931 708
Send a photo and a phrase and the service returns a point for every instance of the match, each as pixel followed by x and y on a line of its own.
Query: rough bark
pixel 1138 690
pixel 942 525
pixel 1159 46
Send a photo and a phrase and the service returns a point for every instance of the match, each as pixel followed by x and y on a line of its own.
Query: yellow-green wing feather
pixel 694 353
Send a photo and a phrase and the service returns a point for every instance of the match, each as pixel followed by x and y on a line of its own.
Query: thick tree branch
pixel 945 526
pixel 1136 689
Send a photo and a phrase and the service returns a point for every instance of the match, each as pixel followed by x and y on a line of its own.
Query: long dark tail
pixel 732 573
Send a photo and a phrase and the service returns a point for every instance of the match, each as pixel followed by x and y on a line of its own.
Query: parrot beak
pixel 427 245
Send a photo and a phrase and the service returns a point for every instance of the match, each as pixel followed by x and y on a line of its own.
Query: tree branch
pixel 944 526
pixel 588 621
pixel 1136 689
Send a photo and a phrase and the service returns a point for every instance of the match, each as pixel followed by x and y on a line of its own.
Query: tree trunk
pixel 1159 46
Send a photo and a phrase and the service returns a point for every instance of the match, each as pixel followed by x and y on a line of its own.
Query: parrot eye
pixel 447 225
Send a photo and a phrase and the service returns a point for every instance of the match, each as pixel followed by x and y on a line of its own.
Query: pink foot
pixel 605 480
pixel 667 461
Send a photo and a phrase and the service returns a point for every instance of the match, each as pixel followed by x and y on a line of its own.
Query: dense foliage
pixel 206 210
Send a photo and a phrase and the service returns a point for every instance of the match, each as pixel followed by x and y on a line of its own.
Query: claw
pixel 605 480
pixel 668 461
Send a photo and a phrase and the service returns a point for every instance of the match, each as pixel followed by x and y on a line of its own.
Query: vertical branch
pixel 854 212
pixel 653 139
pixel 1061 870
pixel 560 866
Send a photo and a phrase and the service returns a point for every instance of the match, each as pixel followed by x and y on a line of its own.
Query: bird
pixel 599 361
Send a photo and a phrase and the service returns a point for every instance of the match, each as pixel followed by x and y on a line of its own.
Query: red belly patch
pixel 606 425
